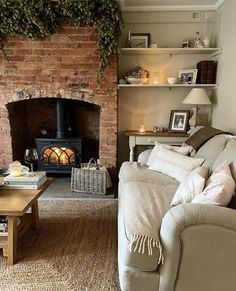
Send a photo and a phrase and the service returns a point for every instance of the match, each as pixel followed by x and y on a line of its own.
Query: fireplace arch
pixel 38 119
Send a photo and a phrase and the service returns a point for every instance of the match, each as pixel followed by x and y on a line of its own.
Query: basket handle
pixel 90 162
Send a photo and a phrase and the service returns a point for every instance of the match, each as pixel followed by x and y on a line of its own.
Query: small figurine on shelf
pixel 154 45
pixel 128 43
pixel 197 40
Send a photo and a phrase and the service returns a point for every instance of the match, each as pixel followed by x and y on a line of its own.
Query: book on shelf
pixel 4 229
pixel 3 219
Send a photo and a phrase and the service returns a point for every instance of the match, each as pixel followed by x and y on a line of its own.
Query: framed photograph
pixel 179 121
pixel 188 76
pixel 140 40
pixel 185 43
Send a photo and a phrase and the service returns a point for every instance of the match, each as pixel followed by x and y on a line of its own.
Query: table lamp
pixel 196 96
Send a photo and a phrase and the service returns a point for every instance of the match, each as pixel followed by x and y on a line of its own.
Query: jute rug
pixel 75 250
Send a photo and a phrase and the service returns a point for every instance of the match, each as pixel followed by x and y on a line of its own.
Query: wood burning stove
pixel 61 153
pixel 58 155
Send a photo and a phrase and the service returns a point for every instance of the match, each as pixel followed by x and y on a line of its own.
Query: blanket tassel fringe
pixel 139 242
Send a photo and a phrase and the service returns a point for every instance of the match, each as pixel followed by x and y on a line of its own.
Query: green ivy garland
pixel 38 18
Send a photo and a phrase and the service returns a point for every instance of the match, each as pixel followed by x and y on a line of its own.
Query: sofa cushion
pixel 192 185
pixel 159 197
pixel 173 164
pixel 228 155
pixel 219 189
pixel 211 149
pixel 144 156
pixel 185 150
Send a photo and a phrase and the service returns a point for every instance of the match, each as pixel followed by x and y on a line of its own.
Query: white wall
pixel 152 106
pixel 224 111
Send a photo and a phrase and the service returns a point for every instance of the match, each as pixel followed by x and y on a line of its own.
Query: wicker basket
pixel 88 180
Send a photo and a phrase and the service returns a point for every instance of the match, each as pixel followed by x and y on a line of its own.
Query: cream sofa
pixel 199 241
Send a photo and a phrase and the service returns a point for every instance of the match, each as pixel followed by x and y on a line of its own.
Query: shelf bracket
pixel 216 54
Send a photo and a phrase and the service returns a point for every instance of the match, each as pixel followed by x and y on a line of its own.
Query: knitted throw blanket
pixel 144 210
pixel 202 136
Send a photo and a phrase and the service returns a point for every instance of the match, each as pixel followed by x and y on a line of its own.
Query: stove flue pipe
pixel 60 119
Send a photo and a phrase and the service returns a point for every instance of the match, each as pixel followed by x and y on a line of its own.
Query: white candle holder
pixel 141 128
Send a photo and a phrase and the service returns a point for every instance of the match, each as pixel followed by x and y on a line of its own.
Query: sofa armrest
pixel 143 157
pixel 199 243
pixel 188 214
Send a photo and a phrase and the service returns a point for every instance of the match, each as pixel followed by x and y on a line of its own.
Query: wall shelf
pixel 168 86
pixel 170 51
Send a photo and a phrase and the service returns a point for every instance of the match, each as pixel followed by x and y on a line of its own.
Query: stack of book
pixel 4 225
pixel 28 181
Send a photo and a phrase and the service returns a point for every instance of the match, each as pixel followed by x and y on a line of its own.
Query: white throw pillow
pixel 184 150
pixel 219 189
pixel 192 185
pixel 173 164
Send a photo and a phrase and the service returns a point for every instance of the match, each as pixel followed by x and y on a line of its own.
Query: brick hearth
pixel 63 65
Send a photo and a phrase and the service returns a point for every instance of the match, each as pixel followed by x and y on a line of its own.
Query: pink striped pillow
pixel 220 187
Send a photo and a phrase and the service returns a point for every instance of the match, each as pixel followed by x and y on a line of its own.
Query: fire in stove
pixel 58 156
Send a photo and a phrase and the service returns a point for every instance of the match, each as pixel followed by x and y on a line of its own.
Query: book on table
pixel 27 181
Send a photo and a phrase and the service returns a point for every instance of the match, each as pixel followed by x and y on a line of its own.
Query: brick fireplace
pixel 63 65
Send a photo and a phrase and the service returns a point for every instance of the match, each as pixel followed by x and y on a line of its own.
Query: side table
pixel 149 138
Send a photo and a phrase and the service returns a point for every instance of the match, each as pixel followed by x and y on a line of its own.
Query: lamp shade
pixel 197 96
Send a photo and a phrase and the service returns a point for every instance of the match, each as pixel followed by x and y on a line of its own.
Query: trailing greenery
pixel 38 18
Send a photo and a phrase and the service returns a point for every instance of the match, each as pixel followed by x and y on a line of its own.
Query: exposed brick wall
pixel 59 65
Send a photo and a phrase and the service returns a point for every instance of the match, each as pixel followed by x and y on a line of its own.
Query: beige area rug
pixel 75 249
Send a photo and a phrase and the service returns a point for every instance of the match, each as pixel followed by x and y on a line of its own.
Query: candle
pixel 141 128
pixel 15 169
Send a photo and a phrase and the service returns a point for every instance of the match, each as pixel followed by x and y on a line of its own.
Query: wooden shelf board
pixel 170 51
pixel 168 85
pixel 151 133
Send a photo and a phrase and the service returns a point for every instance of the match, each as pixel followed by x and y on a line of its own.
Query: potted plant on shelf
pixel 137 75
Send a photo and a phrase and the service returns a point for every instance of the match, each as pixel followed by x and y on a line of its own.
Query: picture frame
pixel 188 76
pixel 179 121
pixel 140 40
pixel 185 43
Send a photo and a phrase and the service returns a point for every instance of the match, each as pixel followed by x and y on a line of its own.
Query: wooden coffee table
pixel 15 203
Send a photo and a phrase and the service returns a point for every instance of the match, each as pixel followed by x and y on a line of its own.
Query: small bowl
pixel 172 80
pixel 136 81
